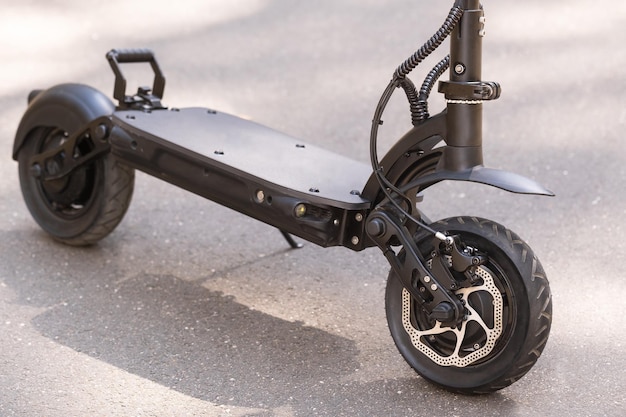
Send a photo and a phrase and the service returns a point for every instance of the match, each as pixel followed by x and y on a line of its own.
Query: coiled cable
pixel 411 95
pixel 454 16
pixel 419 111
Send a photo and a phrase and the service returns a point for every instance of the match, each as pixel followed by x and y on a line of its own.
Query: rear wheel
pixel 82 207
pixel 508 312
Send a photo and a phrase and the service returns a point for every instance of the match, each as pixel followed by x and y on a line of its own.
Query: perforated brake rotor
pixel 466 348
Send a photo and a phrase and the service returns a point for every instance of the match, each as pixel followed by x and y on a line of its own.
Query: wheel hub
pixel 69 193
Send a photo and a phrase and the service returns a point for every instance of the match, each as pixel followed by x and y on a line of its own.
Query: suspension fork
pixel 386 228
pixel 433 286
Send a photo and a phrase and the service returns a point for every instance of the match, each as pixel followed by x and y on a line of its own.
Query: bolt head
pixel 100 132
pixel 376 228
pixel 35 171
pixel 300 210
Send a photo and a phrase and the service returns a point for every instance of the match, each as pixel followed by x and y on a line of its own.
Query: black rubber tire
pixel 526 313
pixel 86 205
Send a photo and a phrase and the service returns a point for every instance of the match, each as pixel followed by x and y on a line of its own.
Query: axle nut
pixel 376 228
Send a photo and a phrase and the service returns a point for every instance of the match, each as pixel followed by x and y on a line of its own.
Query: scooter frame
pixel 301 189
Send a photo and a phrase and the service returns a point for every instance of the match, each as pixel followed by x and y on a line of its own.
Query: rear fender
pixel 67 106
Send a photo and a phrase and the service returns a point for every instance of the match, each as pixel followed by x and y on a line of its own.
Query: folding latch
pixel 472 90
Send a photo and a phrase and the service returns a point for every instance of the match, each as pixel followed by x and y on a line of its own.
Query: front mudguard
pixel 415 163
pixel 505 180
pixel 67 106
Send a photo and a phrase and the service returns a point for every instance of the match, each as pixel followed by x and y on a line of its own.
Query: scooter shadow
pixel 207 345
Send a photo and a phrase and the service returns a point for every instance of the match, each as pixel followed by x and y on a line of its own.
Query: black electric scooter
pixel 467 301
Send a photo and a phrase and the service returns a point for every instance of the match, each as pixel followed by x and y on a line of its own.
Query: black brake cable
pixel 454 16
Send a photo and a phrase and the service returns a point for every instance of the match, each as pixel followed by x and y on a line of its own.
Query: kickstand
pixel 291 240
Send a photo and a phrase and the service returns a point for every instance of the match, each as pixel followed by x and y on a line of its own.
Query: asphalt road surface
pixel 190 309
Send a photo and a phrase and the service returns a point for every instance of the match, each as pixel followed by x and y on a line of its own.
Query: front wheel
pixel 508 313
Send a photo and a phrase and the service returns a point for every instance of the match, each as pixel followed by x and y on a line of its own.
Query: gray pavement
pixel 189 309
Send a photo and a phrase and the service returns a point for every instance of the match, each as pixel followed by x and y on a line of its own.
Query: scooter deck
pixel 252 151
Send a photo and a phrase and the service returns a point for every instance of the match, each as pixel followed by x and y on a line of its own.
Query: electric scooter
pixel 467 301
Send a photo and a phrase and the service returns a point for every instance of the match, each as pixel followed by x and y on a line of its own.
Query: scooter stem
pixel 465 92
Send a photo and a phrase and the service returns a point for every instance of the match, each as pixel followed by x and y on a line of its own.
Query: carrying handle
pixel 123 56
pixel 131 55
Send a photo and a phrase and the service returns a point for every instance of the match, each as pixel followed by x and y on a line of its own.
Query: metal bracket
pixel 60 161
pixel 462 259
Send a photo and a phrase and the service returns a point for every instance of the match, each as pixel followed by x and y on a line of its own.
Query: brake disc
pixel 464 354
